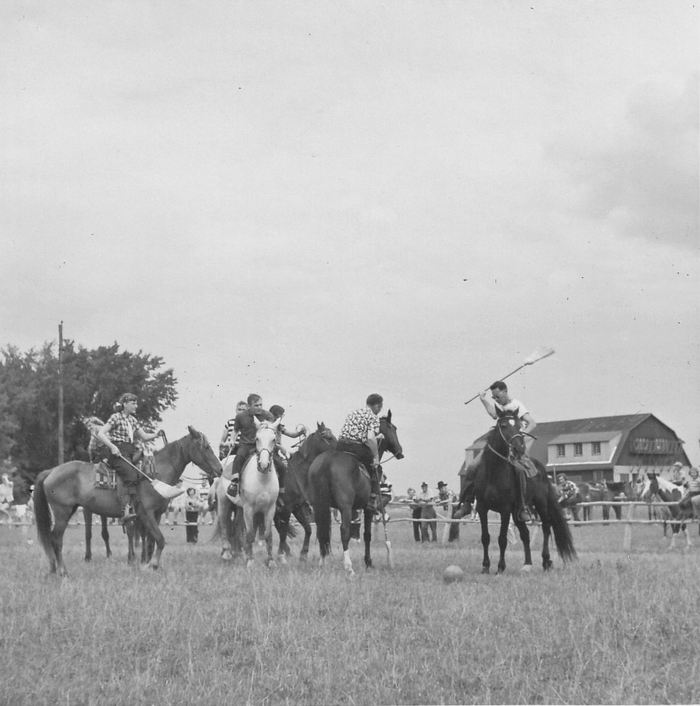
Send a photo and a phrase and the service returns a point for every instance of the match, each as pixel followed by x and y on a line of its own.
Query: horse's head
pixel 265 439
pixel 507 434
pixel 390 442
pixel 202 455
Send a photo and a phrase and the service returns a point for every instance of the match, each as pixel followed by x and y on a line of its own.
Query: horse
pixel 336 479
pixel 59 491
pixel 294 500
pixel 657 487
pixel 496 488
pixel 230 528
pixel 259 488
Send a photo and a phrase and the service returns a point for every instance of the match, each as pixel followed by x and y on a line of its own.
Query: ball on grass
pixel 452 574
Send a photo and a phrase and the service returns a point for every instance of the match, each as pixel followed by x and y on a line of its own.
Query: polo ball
pixel 452 574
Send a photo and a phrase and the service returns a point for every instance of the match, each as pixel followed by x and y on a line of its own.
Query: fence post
pixel 627 537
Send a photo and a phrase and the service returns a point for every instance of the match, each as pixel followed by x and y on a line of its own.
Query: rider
pixel 280 455
pixel 360 436
pixel 244 427
pixel 500 400
pixel 693 483
pixel 228 443
pixel 119 433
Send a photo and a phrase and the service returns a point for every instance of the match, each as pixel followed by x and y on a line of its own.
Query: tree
pixel 92 382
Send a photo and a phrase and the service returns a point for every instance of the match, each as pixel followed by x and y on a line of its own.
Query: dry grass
pixel 613 628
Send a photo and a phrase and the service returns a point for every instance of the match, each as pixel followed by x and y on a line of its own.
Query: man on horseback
pixel 280 457
pixel 119 434
pixel 229 442
pixel 360 437
pixel 500 400
pixel 246 431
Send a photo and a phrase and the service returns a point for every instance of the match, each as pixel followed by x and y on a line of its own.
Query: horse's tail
pixel 42 516
pixel 562 533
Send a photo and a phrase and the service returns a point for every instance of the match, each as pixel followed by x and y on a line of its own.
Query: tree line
pixel 92 381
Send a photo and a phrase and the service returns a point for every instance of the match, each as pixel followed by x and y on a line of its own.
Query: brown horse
pixel 61 490
pixel 336 480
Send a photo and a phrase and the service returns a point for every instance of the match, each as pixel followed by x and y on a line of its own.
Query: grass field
pixel 612 628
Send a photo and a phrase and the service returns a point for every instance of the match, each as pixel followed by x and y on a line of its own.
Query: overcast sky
pixel 315 201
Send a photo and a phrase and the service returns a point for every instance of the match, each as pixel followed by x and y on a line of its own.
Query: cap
pixel 423 484
pixel 677 464
pixel 441 484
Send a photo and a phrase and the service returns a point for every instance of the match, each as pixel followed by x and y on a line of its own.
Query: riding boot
pixel 523 513
pixel 466 500
pixel 233 485
pixel 126 501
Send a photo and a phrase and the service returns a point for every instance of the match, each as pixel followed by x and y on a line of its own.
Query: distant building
pixel 602 448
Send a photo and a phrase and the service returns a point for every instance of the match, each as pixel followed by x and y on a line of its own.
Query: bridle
pixel 509 443
pixel 258 456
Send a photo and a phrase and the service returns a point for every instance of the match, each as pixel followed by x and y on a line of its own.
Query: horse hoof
pixel 526 568
pixel 249 564
pixel 226 555
pixel 484 571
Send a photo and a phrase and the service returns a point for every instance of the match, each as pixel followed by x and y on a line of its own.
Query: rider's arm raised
pixel 488 403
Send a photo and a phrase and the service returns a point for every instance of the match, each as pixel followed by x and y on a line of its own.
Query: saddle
pixel 105 477
pixel 525 464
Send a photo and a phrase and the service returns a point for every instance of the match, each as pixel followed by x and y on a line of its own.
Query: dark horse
pixel 61 490
pixel 335 479
pixel 294 501
pixel 496 488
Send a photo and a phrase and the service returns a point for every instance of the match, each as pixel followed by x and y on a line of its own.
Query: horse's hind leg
pixel 525 539
pixel 87 516
pixel 302 514
pixel 503 542
pixel 105 535
pixel 546 533
pixel 485 541
pixel 61 518
pixel 368 538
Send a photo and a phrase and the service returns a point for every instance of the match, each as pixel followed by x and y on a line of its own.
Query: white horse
pixel 259 488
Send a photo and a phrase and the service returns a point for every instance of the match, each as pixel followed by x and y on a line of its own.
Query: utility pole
pixel 60 393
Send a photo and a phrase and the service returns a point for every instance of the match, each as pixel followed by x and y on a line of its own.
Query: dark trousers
pixel 364 454
pixel 127 474
pixel 191 528
pixel 243 453
pixel 416 513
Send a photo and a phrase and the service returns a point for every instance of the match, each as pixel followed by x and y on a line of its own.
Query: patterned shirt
pixel 358 424
pixel 568 489
pixel 122 427
pixel 230 435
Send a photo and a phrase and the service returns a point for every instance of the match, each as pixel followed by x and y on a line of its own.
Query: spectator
pixel 693 483
pixel 428 526
pixel 416 511
pixel 448 500
pixel 192 507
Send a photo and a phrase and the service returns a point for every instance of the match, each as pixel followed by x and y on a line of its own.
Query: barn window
pixel 561 450
pixel 595 448
pixel 578 449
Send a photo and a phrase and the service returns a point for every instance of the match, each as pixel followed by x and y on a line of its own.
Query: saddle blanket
pixel 105 477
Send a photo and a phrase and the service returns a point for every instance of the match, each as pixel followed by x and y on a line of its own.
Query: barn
pixel 601 448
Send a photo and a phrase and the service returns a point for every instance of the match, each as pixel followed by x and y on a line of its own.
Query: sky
pixel 316 201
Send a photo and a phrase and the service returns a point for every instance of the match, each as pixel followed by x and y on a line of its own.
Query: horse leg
pixel 87 517
pixel 61 518
pixel 503 541
pixel 302 515
pixel 524 533
pixel 150 525
pixel 249 520
pixel 485 540
pixel 281 521
pixel 368 538
pixel 345 519
pixel 225 523
pixel 105 535
pixel 269 521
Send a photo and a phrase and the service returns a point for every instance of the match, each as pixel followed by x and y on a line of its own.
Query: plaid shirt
pixel 358 424
pixel 122 427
